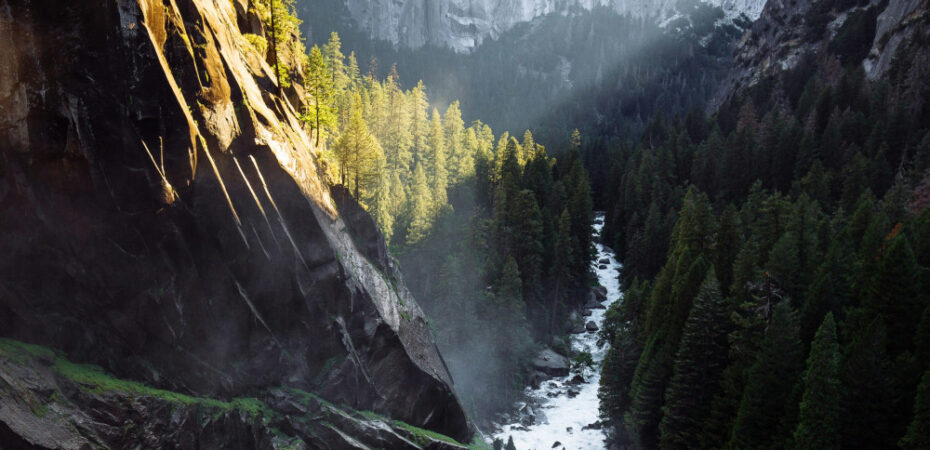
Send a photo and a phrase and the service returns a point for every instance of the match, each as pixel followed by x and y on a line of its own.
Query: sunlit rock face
pixel 464 24
pixel 164 215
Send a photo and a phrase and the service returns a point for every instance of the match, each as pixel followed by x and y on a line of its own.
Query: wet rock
pixel 594 304
pixel 540 418
pixel 603 261
pixel 602 267
pixel 578 327
pixel 591 326
pixel 556 444
pixel 600 292
pixel 576 380
pixel 587 312
pixel 572 393
pixel 537 378
pixel 593 426
pixel 551 363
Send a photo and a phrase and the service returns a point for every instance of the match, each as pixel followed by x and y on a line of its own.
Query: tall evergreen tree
pixel 701 358
pixel 760 422
pixel 819 417
pixel 868 418
pixel 437 172
pixel 358 152
pixel 421 204
pixel 918 433
pixel 320 110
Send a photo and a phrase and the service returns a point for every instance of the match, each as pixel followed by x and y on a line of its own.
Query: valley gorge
pixel 464 224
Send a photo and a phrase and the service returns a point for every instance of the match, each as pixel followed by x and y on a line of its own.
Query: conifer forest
pixel 464 224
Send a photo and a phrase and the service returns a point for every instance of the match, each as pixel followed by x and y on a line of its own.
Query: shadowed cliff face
pixel 163 215
pixel 885 37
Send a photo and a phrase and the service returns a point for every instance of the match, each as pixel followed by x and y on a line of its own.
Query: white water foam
pixel 564 417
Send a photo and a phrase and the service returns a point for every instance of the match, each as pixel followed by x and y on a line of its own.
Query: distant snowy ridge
pixel 463 25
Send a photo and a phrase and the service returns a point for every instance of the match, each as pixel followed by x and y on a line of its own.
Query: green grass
pixel 94 379
pixel 424 437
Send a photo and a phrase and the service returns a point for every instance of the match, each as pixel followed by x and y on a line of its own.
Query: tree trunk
pixel 318 120
pixel 274 45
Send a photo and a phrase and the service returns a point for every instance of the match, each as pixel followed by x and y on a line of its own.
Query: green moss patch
pixel 94 379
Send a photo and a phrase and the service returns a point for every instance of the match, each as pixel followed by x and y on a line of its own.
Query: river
pixel 565 417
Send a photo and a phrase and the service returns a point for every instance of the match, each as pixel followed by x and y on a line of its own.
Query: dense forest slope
pixel 165 216
pixel 597 70
pixel 777 255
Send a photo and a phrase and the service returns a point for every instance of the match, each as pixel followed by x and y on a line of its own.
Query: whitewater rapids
pixel 564 418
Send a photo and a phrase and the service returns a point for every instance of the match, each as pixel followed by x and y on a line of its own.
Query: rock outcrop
pixel 164 216
pixel 875 34
pixel 551 363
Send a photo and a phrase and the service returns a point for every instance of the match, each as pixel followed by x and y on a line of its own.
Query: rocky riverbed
pixel 562 412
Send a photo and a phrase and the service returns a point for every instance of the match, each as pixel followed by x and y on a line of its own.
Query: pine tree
pixel 527 243
pixel 896 296
pixel 358 153
pixel 918 433
pixel 381 207
pixel 819 417
pixel 616 374
pixel 421 203
pixel 335 62
pixel 760 421
pixel 829 290
pixel 282 24
pixel 437 171
pixel 510 445
pixel 510 316
pixel 783 263
pixel 320 110
pixel 560 271
pixel 418 103
pixel 727 242
pixel 867 376
pixel 701 358
pixel 528 147
pixel 581 210
pixel 459 161
pixel 397 133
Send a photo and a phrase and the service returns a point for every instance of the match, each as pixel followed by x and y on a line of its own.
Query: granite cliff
pixel 164 217
pixel 463 25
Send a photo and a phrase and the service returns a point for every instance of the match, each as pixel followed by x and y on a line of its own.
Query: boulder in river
pixel 556 444
pixel 591 326
pixel 603 261
pixel 602 267
pixel 537 378
pixel 592 303
pixel 600 292
pixel 551 363
pixel 576 380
